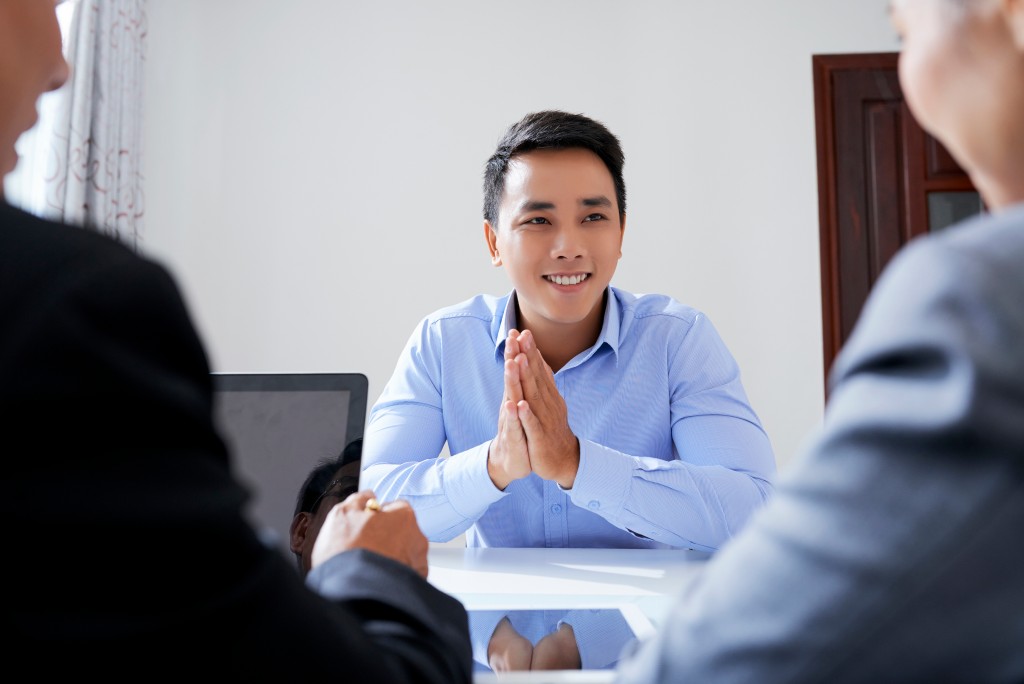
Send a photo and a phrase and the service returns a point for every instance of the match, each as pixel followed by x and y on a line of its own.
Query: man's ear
pixel 491 235
pixel 1013 10
pixel 297 532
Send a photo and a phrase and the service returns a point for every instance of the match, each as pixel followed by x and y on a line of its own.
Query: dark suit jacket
pixel 126 548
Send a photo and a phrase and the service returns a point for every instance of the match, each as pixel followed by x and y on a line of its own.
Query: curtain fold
pixel 97 177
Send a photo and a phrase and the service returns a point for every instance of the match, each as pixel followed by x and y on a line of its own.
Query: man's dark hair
pixel 325 472
pixel 551 130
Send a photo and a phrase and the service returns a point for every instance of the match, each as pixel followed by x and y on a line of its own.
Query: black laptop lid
pixel 277 427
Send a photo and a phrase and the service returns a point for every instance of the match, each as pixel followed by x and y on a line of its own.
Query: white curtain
pixel 97 177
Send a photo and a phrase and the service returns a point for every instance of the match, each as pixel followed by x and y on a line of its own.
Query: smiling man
pixel 576 414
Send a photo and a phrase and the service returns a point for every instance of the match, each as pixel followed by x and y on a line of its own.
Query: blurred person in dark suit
pixel 119 494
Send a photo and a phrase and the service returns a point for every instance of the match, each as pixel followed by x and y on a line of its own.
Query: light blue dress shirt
pixel 671 453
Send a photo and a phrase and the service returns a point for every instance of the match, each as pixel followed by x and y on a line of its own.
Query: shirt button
pixel 557 508
pixel 594 505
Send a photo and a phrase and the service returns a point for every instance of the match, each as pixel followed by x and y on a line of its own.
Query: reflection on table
pixel 582 638
pixel 571 611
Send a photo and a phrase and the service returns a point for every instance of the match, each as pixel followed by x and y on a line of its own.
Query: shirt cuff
pixel 467 485
pixel 603 480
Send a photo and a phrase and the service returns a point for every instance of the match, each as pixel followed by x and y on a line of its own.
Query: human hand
pixel 557 651
pixel 391 531
pixel 553 449
pixel 508 650
pixel 507 457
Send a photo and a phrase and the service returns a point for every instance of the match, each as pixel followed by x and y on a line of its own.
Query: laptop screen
pixel 278 426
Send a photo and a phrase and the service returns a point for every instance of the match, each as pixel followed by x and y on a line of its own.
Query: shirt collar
pixel 610 328
pixel 508 321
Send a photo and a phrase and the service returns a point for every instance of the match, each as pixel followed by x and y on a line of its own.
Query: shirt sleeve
pixel 402 448
pixel 724 461
pixel 409 625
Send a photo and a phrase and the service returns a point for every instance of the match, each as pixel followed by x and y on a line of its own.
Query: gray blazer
pixel 893 549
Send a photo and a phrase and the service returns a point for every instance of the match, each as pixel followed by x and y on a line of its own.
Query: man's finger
pixel 513 382
pixel 527 379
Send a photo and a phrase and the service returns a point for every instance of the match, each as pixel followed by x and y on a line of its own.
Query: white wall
pixel 313 167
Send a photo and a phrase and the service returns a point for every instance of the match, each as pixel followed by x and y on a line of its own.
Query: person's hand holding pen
pixel 361 521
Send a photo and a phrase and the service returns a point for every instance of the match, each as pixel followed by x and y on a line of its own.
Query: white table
pixel 509 579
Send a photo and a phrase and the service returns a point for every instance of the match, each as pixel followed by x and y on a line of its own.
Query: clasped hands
pixel 533 423
pixel 533 436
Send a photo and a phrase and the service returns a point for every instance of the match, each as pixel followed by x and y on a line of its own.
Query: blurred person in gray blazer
pixel 893 550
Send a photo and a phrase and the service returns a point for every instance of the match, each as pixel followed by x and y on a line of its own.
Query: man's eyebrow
pixel 537 205
pixel 543 205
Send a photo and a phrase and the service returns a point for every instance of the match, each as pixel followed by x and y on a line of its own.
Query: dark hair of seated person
pixel 332 479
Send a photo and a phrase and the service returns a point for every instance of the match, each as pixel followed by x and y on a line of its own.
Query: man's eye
pixel 536 220
pixel 595 217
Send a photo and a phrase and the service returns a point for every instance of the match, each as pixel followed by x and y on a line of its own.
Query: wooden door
pixel 882 180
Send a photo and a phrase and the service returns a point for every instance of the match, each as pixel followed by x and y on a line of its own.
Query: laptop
pixel 277 427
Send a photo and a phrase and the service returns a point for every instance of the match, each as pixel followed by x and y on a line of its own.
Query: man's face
pixel 559 236
pixel 31 63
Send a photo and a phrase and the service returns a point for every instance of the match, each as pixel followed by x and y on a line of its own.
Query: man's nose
pixel 61 72
pixel 569 243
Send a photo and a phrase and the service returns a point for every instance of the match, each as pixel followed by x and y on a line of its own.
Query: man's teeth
pixel 568 280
